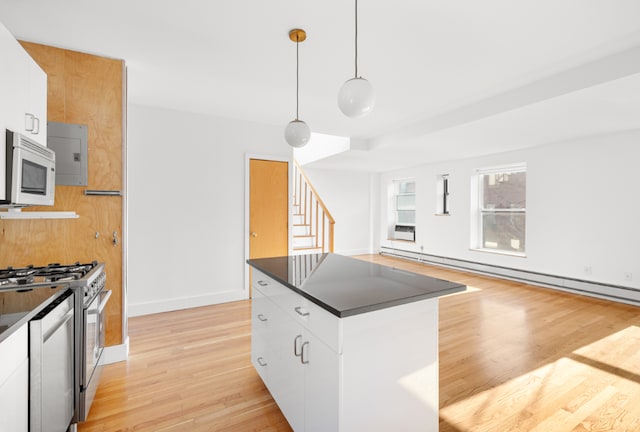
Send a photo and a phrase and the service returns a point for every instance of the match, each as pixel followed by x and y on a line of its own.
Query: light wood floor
pixel 513 357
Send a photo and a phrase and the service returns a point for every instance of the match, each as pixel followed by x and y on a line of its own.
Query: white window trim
pixel 479 238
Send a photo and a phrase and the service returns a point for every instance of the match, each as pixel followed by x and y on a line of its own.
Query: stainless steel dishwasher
pixel 51 369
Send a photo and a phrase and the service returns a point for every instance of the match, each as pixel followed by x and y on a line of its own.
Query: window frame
pixel 483 211
pixel 397 194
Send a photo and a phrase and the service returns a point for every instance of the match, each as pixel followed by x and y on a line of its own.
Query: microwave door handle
pixel 104 301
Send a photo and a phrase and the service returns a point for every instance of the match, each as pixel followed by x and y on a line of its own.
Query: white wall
pixel 349 200
pixel 186 199
pixel 583 208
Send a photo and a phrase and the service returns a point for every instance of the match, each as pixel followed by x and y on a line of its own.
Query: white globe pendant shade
pixel 297 133
pixel 356 97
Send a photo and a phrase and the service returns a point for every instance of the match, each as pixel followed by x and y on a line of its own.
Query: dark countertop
pixel 347 286
pixel 18 307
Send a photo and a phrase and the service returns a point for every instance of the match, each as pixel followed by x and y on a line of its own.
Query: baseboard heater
pixel 578 286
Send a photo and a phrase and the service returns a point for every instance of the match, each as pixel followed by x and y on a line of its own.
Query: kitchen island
pixel 347 345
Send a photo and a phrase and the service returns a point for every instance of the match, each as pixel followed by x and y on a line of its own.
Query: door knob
pixel 254 234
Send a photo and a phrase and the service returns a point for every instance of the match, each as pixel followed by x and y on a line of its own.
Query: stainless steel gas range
pixel 85 303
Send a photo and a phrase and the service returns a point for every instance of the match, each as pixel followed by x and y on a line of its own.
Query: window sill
pixel 401 240
pixel 500 252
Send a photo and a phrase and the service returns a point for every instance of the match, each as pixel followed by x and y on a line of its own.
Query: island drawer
pixel 266 285
pixel 323 324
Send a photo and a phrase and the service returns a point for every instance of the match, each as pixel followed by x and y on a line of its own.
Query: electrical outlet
pixel 628 276
pixel 421 248
pixel 588 270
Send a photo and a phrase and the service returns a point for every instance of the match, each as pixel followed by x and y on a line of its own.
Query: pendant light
pixel 297 133
pixel 356 97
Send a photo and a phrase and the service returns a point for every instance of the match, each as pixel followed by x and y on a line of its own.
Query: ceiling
pixel 453 79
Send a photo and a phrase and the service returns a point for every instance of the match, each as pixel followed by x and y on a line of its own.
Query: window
pixel 502 209
pixel 406 203
pixel 404 209
pixel 442 194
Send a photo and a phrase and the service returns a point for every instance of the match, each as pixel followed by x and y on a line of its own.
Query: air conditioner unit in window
pixel 405 232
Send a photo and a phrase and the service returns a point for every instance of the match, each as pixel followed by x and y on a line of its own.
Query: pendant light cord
pixel 356 27
pixel 297 73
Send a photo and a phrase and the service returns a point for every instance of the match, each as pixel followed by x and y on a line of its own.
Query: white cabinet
pixel 14 382
pixel 298 368
pixel 375 371
pixel 23 86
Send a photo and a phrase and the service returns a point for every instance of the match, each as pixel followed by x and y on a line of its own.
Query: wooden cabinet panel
pixel 82 89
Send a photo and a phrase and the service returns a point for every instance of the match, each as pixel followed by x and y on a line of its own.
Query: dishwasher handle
pixel 50 331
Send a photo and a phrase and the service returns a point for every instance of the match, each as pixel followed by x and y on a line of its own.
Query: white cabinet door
pixel 14 82
pixel 322 386
pixel 37 102
pixel 287 373
pixel 14 381
pixel 23 86
pixel 14 398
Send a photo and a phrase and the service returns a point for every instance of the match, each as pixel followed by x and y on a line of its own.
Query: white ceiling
pixel 453 79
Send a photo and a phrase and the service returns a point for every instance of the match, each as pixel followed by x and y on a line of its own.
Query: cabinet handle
pixel 302 351
pixel 295 346
pixel 36 127
pixel 261 362
pixel 300 312
pixel 29 120
pixel 262 283
pixel 262 318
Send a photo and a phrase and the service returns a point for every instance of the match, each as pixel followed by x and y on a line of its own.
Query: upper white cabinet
pixel 23 86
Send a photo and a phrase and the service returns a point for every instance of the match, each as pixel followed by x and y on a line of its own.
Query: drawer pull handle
pixel 302 351
pixel 261 362
pixel 301 312
pixel 295 346
pixel 263 283
pixel 262 318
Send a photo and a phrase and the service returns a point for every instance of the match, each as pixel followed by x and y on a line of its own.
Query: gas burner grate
pixel 54 272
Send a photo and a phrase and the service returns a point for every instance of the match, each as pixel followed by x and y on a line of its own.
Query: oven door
pixel 94 336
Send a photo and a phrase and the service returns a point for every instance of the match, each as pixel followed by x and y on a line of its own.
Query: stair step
pixel 306 248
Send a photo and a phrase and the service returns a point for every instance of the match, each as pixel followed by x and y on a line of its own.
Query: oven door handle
pixel 103 303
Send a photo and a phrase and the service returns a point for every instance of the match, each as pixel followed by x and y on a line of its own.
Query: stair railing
pixel 314 211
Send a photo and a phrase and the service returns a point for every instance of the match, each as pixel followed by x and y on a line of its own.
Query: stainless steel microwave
pixel 30 172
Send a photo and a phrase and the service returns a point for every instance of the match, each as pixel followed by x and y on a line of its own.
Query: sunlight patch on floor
pixel 594 387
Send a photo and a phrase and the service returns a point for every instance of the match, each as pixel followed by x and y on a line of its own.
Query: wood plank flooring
pixel 513 357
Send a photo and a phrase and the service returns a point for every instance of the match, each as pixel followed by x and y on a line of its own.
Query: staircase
pixel 312 222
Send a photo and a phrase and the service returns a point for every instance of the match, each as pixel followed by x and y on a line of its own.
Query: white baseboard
pixel 115 353
pixel 617 293
pixel 350 252
pixel 167 305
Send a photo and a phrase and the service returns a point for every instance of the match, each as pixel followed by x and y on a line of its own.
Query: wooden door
pixel 268 208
